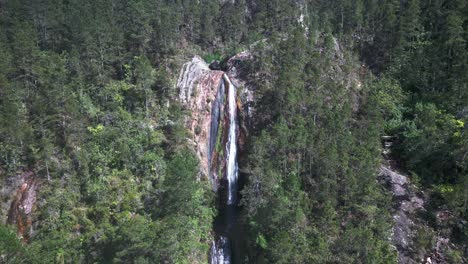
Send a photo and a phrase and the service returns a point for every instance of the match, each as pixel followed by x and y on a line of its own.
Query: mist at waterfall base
pixel 227 246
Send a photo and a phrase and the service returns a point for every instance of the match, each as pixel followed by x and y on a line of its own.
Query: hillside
pixel 233 131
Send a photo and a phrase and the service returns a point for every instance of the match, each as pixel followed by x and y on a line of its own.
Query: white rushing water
pixel 231 146
pixel 220 251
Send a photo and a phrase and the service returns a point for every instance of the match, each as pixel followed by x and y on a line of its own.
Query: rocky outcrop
pixel 415 240
pixel 189 75
pixel 20 193
pixel 397 183
pixel 406 204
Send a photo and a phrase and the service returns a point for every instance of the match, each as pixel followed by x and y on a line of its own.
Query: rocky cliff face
pixel 406 204
pixel 198 92
pixel 18 195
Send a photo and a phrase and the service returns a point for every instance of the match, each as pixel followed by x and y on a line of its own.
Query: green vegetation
pixel 210 57
pixel 87 101
pixel 83 102
pixel 315 162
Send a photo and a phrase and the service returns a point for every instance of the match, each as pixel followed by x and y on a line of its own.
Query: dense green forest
pixel 88 102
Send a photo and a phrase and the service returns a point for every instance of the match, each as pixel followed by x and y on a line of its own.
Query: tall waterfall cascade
pixel 231 146
pixel 221 247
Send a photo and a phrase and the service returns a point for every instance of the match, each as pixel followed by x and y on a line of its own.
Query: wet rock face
pixel 198 88
pixel 238 73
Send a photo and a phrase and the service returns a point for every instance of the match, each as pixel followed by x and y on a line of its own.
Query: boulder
pixel 395 181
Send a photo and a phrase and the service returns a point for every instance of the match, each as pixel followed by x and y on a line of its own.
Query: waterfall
pixel 220 252
pixel 231 146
